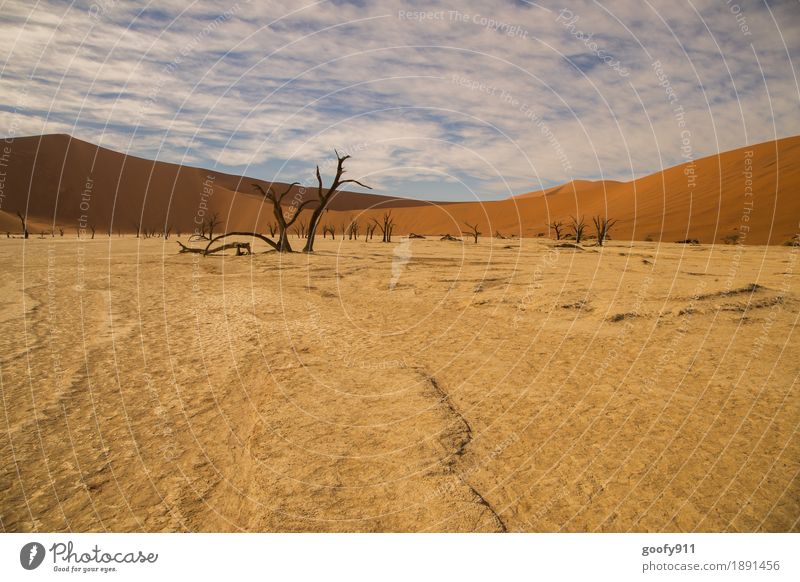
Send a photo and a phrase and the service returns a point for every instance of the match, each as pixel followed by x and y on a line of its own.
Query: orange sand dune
pixel 63 181
pixel 707 200
pixel 575 187
pixel 66 181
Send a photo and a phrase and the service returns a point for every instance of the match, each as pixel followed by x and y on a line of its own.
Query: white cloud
pixel 246 84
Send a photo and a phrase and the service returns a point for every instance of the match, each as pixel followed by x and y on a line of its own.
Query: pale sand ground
pixel 489 390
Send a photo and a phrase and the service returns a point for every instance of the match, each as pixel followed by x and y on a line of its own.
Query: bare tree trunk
pixel 24 221
pixel 603 226
pixel 283 245
pixel 325 197
pixel 578 226
pixel 474 231
pixel 557 226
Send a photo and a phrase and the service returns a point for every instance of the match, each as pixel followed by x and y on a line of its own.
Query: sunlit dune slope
pixel 751 191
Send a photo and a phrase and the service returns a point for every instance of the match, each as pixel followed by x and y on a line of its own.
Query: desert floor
pixel 413 386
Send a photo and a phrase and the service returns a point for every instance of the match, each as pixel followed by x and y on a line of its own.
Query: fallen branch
pixel 242 248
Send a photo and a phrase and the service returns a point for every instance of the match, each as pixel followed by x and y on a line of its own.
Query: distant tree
pixel 578 226
pixel 352 230
pixel 473 231
pixel 602 226
pixel 24 220
pixel 213 222
pixel 137 228
pixel 93 228
pixel 386 225
pixel 557 226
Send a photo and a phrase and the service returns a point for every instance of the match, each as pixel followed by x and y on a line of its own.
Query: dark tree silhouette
pixel 283 222
pixel 578 226
pixel 213 222
pixel 352 230
pixel 473 231
pixel 557 226
pixel 602 226
pixel 324 197
pixel 24 221
pixel 386 225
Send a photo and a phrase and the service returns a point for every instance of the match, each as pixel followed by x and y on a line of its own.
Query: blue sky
pixel 438 101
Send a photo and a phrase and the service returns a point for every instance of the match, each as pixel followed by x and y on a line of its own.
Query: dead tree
pixel 557 226
pixel 498 235
pixel 329 229
pixel 137 228
pixel 300 231
pixel 370 231
pixel 325 197
pixel 273 228
pixel 167 231
pixel 386 225
pixel 578 226
pixel 602 226
pixel 24 221
pixel 213 222
pixel 474 231
pixel 93 228
pixel 60 231
pixel 352 230
pixel 242 248
pixel 283 222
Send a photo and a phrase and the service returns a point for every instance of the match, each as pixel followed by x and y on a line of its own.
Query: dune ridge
pixel 62 181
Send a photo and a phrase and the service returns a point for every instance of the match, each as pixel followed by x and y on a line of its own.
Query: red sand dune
pixel 60 179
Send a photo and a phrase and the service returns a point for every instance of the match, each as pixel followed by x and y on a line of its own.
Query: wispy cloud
pixel 432 100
